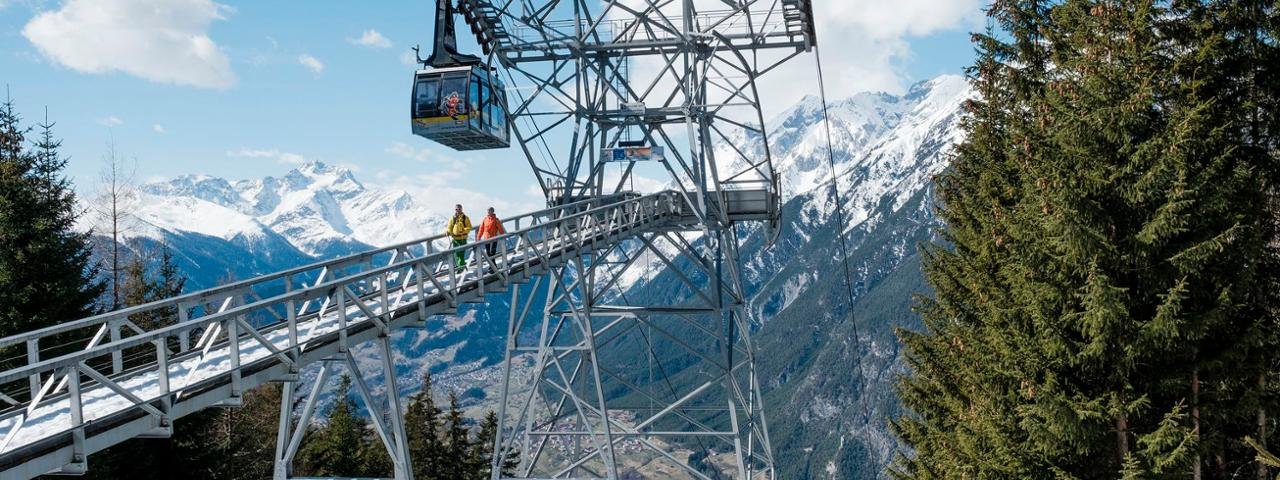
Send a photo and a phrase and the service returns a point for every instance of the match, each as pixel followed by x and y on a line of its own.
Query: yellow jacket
pixel 459 227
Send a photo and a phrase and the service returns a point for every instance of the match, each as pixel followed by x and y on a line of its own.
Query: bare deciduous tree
pixel 114 207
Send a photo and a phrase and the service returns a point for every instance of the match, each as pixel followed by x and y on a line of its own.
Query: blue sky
pixel 245 89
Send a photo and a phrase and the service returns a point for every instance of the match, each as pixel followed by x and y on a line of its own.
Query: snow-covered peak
pixel 938 89
pixel 859 124
pixel 885 148
pixel 204 187
pixel 901 161
pixel 320 209
pixel 195 215
pixel 316 174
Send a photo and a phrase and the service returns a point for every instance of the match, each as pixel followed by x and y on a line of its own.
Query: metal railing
pixel 288 318
pixel 628 29
pixel 730 22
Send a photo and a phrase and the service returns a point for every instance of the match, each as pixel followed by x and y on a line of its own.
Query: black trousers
pixel 491 249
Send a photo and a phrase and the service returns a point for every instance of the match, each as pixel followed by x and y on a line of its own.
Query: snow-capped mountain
pixel 831 366
pixel 319 209
pixel 881 143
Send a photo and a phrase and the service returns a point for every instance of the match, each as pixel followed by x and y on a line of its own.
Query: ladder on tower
pixel 485 24
pixel 798 15
pixel 125 380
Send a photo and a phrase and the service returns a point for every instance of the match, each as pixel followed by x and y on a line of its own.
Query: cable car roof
pixel 464 68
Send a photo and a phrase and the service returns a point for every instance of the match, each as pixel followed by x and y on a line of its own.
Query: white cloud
pixel 110 121
pixel 311 62
pixel 429 190
pixel 401 149
pixel 274 154
pixel 880 19
pixel 163 41
pixel 450 166
pixel 158 128
pixel 865 42
pixel 409 59
pixel 879 31
pixel 371 38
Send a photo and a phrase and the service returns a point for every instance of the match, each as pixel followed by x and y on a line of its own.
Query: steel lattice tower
pixel 595 382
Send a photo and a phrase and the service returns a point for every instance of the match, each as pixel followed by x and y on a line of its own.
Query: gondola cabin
pixel 463 108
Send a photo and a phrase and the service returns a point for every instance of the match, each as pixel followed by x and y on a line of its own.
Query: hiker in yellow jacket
pixel 459 228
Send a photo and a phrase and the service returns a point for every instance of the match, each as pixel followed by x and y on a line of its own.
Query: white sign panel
pixel 634 154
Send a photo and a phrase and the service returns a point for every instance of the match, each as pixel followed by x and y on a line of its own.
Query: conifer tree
pixel 457 441
pixel 150 276
pixel 46 275
pixel 478 459
pixel 482 450
pixel 243 438
pixel 424 427
pixel 135 286
pixel 1107 271
pixel 335 449
pixel 961 369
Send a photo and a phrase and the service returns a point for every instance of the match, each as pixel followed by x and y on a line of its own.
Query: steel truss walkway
pixel 123 379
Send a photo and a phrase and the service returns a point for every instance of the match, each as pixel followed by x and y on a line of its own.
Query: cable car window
pixel 500 116
pixel 474 98
pixel 495 113
pixel 486 91
pixel 428 98
pixel 453 97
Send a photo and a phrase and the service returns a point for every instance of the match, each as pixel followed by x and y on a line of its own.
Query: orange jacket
pixel 490 227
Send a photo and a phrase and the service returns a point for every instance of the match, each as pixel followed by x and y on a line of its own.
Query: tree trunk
pixel 115 252
pixel 1262 424
pixel 1122 437
pixel 114 204
pixel 1195 420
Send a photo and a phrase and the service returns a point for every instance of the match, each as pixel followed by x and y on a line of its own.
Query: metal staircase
pixel 123 380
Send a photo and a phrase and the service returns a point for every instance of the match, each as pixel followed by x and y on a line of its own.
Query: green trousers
pixel 460 257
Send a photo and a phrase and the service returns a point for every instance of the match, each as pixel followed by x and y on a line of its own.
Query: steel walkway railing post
pixel 404 464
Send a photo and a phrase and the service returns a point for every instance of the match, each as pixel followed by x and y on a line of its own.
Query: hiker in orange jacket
pixel 490 227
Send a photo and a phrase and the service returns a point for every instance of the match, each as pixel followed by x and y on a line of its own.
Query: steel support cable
pixel 647 336
pixel 547 156
pixel 840 218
